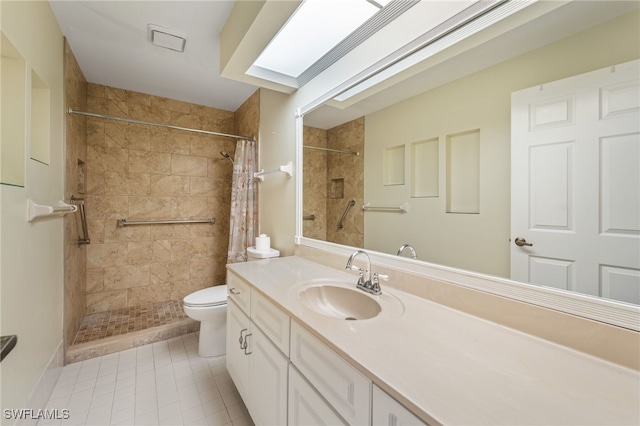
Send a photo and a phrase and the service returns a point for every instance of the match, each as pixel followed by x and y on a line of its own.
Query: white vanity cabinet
pixel 257 366
pixel 306 407
pixel 389 412
pixel 344 387
pixel 238 324
pixel 287 375
pixel 268 370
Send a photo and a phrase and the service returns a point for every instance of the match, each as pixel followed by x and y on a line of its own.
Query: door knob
pixel 520 242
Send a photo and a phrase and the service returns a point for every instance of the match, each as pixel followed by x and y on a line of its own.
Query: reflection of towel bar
pixel 125 222
pixel 403 208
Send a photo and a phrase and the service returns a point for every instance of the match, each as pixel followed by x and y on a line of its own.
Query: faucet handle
pixel 354 268
pixel 377 276
pixel 375 283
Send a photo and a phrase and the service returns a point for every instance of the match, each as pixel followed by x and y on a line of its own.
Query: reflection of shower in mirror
pixel 226 155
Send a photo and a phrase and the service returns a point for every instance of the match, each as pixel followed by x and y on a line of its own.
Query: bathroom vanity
pixel 304 346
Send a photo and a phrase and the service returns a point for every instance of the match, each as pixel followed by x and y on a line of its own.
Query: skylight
pixel 306 34
pixel 316 29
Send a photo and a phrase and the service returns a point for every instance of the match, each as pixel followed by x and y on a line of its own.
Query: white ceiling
pixel 110 42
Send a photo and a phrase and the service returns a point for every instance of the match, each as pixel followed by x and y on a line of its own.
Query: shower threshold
pixel 102 333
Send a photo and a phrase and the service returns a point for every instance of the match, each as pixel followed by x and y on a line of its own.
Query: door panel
pixel 576 183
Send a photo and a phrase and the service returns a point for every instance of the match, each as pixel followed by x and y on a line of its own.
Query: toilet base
pixel 212 339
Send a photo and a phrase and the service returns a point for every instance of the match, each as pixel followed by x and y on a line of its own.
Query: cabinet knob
pixel 234 291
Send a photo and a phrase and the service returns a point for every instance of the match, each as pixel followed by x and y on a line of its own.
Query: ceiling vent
pixel 163 37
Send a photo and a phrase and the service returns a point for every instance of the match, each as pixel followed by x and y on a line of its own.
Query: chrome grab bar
pixel 125 222
pixel 83 219
pixel 349 205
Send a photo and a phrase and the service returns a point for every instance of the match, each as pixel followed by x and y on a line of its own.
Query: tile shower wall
pixel 331 180
pixel 247 117
pixel 75 153
pixel 139 172
pixel 345 178
pixel 315 184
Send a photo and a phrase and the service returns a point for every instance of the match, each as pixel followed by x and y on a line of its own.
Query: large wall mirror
pixel 427 161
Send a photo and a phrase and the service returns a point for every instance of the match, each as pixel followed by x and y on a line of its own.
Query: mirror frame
pixel 603 310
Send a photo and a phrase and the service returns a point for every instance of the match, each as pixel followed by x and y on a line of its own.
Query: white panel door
pixel 575 194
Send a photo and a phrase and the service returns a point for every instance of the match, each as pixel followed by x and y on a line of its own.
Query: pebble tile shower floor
pixel 163 383
pixel 121 321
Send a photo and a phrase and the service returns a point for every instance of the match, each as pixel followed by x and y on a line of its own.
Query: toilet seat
pixel 208 297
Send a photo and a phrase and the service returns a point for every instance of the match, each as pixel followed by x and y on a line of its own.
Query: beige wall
pixel 139 172
pixel 31 259
pixel 75 255
pixel 277 192
pixel 478 242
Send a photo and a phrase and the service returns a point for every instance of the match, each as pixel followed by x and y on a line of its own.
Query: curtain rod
pixel 340 151
pixel 148 123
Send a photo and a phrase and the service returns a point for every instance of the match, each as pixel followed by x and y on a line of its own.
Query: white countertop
pixel 452 367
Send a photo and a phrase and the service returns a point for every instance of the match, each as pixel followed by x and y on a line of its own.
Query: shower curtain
pixel 244 202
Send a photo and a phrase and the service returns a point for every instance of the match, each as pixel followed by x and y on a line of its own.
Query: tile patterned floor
pixel 163 383
pixel 120 321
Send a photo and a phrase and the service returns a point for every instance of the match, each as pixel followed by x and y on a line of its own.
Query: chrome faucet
pixel 411 249
pixel 366 282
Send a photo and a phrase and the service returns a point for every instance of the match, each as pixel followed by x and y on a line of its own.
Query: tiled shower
pixel 125 287
pixel 331 180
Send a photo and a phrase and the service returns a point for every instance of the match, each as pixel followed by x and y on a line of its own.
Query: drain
pixel 350 319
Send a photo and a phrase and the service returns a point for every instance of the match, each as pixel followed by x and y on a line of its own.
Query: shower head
pixel 226 155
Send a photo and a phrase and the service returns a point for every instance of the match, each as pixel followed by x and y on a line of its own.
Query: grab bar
pixel 124 222
pixel 402 208
pixel 349 205
pixel 83 219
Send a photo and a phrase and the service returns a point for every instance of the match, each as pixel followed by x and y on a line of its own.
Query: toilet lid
pixel 211 296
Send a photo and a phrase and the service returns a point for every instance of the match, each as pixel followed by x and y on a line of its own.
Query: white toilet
pixel 209 306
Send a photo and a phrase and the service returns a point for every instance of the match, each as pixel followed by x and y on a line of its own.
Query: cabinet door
pixel 306 407
pixel 268 370
pixel 345 388
pixel 389 412
pixel 237 358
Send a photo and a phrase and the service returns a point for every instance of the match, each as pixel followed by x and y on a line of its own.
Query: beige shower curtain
pixel 244 202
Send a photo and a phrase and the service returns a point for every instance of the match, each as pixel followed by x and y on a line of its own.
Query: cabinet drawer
pixel 344 387
pixel 306 407
pixel 272 321
pixel 239 292
pixel 388 411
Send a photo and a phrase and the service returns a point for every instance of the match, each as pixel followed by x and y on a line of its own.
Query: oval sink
pixel 340 302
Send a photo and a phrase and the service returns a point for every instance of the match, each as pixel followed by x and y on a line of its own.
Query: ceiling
pixel 111 45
